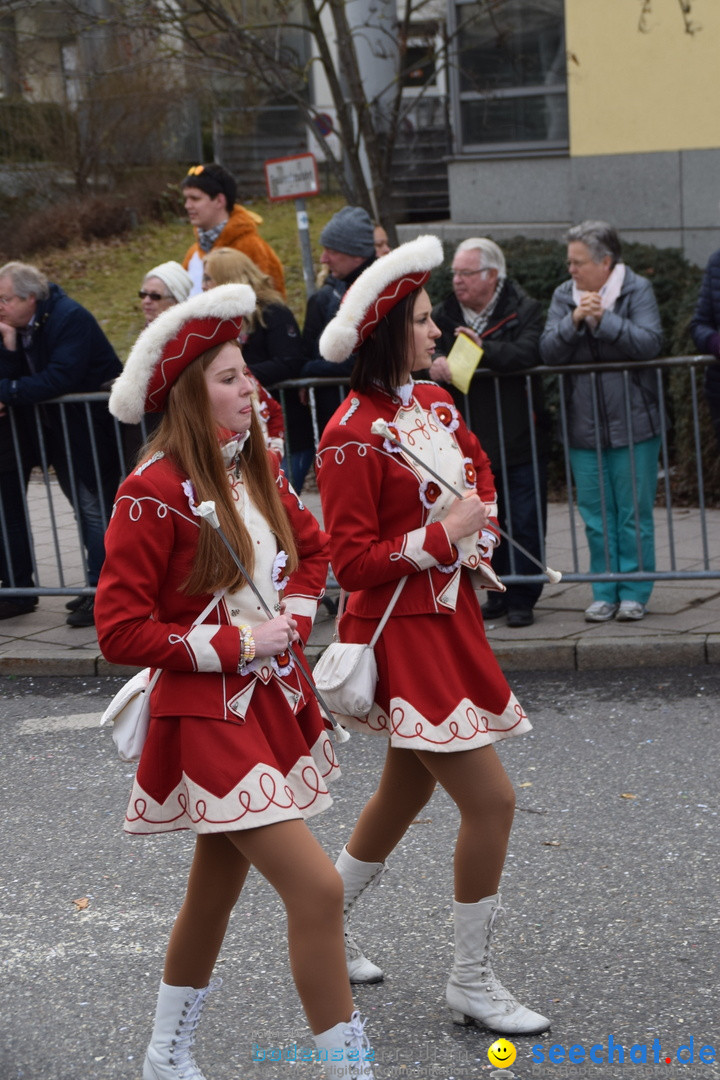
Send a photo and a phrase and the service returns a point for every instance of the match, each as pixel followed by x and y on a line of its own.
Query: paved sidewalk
pixel 682 626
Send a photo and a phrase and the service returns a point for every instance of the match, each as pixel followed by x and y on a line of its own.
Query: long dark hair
pixel 381 360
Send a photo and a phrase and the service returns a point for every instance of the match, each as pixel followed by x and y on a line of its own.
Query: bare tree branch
pixel 686 12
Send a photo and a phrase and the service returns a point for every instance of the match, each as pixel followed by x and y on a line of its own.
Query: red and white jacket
pixel 384 512
pixel 144 619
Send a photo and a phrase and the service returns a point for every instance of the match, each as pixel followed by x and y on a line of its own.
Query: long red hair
pixel 188 436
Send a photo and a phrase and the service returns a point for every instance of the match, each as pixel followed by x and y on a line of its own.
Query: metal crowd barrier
pixel 50 519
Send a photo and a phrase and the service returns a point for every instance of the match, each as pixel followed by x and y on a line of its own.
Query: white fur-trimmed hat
pixel 172 341
pixel 375 292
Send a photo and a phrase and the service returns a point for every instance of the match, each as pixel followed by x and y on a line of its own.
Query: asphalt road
pixel 611 890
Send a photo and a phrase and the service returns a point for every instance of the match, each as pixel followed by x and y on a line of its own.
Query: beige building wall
pixel 641 91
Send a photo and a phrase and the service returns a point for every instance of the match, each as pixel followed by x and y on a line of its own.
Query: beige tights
pixel 291 860
pixel 478 785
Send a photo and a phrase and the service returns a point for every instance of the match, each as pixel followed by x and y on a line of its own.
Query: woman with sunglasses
pixel 163 287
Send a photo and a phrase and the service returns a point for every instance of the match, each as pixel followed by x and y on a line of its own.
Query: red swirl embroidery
pixel 476 723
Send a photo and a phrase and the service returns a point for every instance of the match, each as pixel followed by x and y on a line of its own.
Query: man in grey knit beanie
pixel 349 232
pixel 348 245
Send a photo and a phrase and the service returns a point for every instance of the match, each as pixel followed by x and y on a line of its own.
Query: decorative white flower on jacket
pixel 469 473
pixel 188 488
pixel 388 444
pixel 282 664
pixel 429 493
pixel 486 543
pixel 446 415
pixel 450 568
pixel 278 570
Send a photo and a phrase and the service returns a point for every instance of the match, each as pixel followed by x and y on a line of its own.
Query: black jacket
pixel 510 344
pixel 321 308
pixel 705 325
pixel 69 354
pixel 273 353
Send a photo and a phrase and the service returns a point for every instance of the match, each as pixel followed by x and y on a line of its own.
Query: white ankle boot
pixel 473 991
pixel 356 877
pixel 345 1052
pixel 177 1013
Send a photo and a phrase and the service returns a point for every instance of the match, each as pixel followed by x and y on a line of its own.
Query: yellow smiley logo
pixel 502 1054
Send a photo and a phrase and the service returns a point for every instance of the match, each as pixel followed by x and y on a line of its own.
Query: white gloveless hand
pixel 465 517
pixel 274 636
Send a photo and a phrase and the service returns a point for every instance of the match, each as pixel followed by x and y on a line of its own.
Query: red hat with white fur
pixel 171 342
pixel 376 292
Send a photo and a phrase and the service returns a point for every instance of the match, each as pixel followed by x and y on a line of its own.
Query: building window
pixel 509 80
pixel 419 65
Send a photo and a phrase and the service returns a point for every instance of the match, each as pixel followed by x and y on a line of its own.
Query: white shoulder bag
pixel 346 673
pixel 129 710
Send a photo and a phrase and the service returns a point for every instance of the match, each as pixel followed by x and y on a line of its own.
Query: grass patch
pixel 105 275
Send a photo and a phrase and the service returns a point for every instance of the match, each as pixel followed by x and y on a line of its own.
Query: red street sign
pixel 291 177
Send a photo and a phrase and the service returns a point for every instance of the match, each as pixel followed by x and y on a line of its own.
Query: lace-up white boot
pixel 345 1052
pixel 177 1014
pixel 357 876
pixel 473 991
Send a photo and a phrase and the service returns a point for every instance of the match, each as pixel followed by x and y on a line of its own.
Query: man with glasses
pixel 508 418
pixel 50 346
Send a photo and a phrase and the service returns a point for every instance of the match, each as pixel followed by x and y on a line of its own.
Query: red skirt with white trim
pixel 273 764
pixel 439 685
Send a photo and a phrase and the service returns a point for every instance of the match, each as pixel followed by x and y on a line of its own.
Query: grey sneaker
pixel 600 611
pixel 631 611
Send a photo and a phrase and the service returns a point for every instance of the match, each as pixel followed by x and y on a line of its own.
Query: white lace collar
pixel 405 392
pixel 231 449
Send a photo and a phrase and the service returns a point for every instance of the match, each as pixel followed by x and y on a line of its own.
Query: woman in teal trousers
pixel 607 315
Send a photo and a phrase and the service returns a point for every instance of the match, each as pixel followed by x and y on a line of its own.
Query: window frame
pixel 505 148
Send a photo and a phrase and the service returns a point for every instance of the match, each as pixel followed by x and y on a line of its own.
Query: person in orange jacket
pixel 210 192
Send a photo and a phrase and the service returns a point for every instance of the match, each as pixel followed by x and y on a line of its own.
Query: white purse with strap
pixel 346 673
pixel 129 710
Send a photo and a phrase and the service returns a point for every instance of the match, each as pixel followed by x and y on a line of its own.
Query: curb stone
pixel 596 653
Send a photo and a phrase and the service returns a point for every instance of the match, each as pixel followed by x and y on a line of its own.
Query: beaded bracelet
pixel 247 648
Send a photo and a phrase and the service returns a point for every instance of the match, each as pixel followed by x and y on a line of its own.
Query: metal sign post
pixel 294 178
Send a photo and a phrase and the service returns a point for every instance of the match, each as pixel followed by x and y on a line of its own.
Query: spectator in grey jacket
pixel 606 315
pixel 348 248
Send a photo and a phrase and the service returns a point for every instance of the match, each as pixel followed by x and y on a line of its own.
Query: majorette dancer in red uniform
pixel 237 749
pixel 441 698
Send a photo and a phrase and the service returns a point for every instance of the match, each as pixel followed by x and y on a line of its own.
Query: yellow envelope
pixel 463 359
